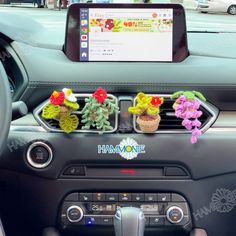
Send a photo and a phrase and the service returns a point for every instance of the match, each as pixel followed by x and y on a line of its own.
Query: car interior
pixel 123 125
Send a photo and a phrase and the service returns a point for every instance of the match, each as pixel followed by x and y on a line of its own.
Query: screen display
pixel 126 35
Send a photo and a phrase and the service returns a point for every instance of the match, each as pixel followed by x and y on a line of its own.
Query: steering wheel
pixel 5 106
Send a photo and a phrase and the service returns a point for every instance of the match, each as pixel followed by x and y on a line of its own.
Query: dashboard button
pixel 86 197
pixel 74 214
pixel 138 197
pixel 156 221
pixel 39 155
pixel 163 197
pixel 75 171
pixel 150 197
pixel 91 220
pixel 112 197
pixel 175 214
pixel 103 220
pixel 99 197
pixel 125 197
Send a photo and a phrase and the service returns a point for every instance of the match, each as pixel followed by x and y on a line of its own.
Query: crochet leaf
pixel 50 111
pixel 69 123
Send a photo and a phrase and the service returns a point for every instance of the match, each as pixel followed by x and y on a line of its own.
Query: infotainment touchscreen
pixel 114 32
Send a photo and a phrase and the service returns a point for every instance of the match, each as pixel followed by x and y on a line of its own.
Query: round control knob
pixel 39 155
pixel 74 214
pixel 175 214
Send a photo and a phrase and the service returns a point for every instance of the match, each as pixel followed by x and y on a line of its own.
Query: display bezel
pixel 72 39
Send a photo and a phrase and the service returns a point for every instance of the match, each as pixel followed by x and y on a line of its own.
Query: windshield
pixel 201 15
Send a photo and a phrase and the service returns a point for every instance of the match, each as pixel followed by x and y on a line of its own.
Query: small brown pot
pixel 63 111
pixel 148 124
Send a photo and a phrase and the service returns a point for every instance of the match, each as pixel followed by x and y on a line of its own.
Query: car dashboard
pixel 77 184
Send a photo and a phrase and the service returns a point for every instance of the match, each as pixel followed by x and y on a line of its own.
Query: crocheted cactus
pixel 97 110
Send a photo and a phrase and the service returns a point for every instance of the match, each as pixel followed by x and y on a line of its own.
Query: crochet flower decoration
pixel 60 108
pixel 187 107
pixel 100 95
pixel 146 110
pixel 157 101
pixel 97 111
pixel 146 105
pixel 69 95
pixel 57 98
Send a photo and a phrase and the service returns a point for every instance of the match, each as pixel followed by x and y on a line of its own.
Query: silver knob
pixel 175 214
pixel 74 214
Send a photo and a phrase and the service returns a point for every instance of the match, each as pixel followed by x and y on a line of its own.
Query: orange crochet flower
pixel 57 98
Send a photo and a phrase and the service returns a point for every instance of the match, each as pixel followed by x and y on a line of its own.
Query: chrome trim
pixel 21 128
pixel 209 107
pixel 44 124
pixel 29 158
pixel 26 128
pixel 222 129
pixel 226 119
pixel 79 209
pixel 168 214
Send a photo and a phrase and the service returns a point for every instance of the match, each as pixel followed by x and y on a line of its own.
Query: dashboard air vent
pixel 53 126
pixel 171 124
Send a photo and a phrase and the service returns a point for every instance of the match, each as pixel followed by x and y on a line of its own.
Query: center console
pixel 167 211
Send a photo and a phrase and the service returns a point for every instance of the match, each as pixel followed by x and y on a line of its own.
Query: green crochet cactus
pixel 97 114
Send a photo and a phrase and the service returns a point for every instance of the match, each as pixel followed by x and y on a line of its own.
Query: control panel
pixel 98 209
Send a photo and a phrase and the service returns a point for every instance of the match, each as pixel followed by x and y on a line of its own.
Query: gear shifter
pixel 129 221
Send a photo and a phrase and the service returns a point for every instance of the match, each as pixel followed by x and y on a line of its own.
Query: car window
pixel 202 15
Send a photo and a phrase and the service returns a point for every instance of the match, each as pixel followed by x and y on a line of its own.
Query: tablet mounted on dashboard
pixel 126 33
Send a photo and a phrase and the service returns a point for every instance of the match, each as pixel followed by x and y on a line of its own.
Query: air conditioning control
pixel 167 210
pixel 174 214
pixel 74 214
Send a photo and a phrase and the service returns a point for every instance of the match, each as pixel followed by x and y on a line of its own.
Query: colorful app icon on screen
pixel 84 37
pixel 84 30
pixel 84 45
pixel 84 55
pixel 84 22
